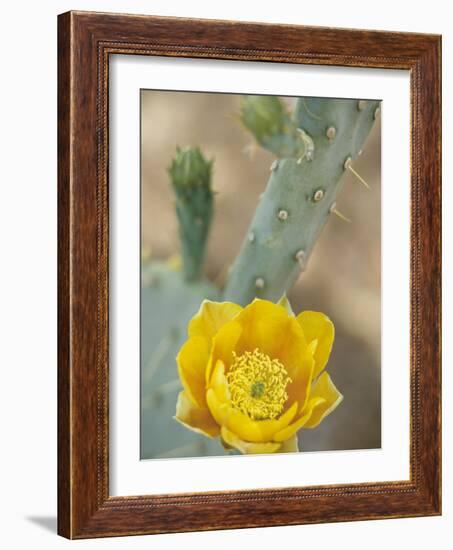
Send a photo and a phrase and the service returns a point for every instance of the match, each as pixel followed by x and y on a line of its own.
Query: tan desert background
pixel 343 277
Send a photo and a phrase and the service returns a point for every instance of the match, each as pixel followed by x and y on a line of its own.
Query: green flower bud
pixel 190 175
pixel 266 118
pixel 190 169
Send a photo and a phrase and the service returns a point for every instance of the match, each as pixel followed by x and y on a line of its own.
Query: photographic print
pixel 233 283
pixel 260 274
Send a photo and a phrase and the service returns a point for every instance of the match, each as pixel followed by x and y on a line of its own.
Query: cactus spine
pixel 190 175
pixel 300 195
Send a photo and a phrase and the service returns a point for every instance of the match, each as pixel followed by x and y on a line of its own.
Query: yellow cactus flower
pixel 254 376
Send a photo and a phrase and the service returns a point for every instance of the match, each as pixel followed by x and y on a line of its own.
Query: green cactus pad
pixel 298 198
pixel 168 302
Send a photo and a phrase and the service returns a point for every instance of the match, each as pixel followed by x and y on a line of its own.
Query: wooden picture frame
pixel 85 42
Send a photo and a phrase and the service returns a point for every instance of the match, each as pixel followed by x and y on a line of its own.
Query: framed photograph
pixel 249 275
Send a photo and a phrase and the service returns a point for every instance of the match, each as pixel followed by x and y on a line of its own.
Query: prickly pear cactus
pixel 171 295
pixel 314 148
pixel 299 197
pixel 168 302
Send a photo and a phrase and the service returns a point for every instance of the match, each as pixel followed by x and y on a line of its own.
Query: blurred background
pixel 343 277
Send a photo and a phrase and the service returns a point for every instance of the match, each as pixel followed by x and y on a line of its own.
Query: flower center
pixel 258 385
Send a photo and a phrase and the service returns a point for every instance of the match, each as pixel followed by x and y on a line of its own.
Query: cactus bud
pixel 190 175
pixel 190 169
pixel 266 118
pixel 263 116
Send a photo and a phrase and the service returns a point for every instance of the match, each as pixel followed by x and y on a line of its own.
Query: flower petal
pixel 317 326
pixel 218 408
pixel 192 361
pixel 293 350
pixel 323 388
pixel 293 428
pixel 223 345
pixel 299 363
pixel 195 418
pixel 211 317
pixel 246 447
pixel 257 431
pixel 264 327
pixel 271 329
pixel 219 383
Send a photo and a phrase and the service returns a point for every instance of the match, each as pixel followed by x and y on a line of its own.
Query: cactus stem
pixel 190 449
pixel 190 175
pixel 259 282
pixel 331 132
pixel 361 104
pixel 150 280
pixel 168 387
pixel 333 210
pixel 158 357
pixel 313 186
pixel 318 195
pixel 309 111
pixel 283 215
pixel 348 166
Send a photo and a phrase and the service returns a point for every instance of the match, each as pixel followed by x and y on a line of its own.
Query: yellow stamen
pixel 258 385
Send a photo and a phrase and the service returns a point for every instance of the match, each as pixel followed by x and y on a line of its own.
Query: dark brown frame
pixel 85 42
